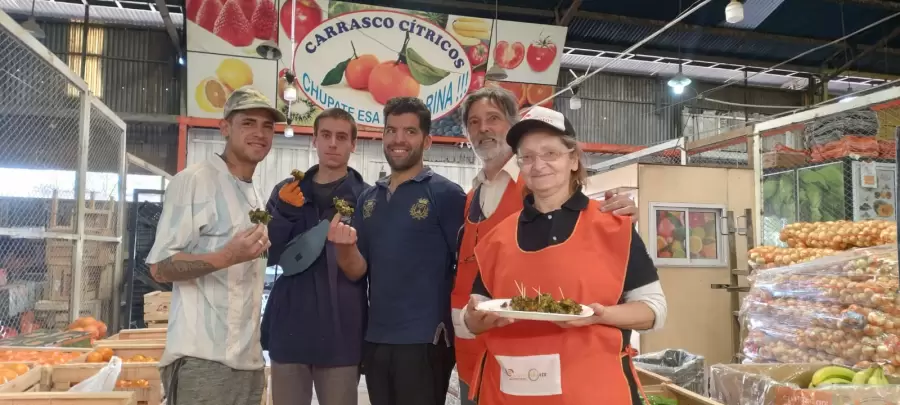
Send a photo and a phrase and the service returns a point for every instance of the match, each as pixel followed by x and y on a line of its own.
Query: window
pixel 687 235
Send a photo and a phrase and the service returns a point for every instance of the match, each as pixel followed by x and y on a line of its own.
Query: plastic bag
pixel 104 380
pixel 686 370
pixel 453 389
pixel 842 309
pixel 767 257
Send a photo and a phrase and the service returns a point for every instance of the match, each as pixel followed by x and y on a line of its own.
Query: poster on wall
pixel 211 79
pixel 230 27
pixel 356 57
pixel 530 53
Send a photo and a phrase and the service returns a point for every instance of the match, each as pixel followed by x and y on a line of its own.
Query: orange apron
pixel 540 363
pixel 468 351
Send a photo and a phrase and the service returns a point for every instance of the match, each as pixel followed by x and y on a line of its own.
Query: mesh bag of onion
pixel 841 309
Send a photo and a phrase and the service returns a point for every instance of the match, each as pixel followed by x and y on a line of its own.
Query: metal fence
pixel 62 164
pixel 832 163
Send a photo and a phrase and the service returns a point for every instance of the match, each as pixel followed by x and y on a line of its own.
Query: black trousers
pixel 416 374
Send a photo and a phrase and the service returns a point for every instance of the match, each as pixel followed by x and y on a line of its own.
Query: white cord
pixel 783 107
pixel 623 53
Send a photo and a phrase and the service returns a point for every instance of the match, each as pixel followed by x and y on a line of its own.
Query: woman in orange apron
pixel 561 244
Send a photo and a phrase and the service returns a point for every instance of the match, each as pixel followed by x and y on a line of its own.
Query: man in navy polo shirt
pixel 403 238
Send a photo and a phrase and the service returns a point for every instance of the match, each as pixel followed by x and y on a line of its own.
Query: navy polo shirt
pixel 408 239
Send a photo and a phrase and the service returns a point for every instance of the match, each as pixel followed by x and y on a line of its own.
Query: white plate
pixel 496 306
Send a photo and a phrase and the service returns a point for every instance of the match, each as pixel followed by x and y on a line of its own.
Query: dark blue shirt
pixel 316 317
pixel 408 239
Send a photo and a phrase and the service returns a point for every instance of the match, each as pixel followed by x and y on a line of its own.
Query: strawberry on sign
pixel 230 27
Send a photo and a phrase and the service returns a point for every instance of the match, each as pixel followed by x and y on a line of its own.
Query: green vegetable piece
pixel 424 73
pixel 658 400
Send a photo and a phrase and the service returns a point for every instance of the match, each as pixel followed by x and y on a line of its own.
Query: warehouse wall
pixel 458 165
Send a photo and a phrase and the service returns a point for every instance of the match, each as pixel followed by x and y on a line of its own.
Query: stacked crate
pixel 156 309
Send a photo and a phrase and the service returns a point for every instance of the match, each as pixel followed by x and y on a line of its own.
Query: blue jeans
pixel 464 394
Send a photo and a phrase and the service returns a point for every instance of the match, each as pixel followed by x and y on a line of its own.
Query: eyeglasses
pixel 551 156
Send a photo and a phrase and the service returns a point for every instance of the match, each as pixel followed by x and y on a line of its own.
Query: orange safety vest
pixel 540 363
pixel 468 351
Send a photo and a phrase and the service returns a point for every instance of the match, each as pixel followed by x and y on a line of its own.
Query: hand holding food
pixel 259 216
pixel 248 244
pixel 478 321
pixel 343 207
pixel 340 233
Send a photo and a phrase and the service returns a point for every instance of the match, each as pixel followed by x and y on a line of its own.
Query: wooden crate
pixel 684 397
pixel 55 314
pixel 28 382
pixel 148 335
pixel 156 306
pixel 68 398
pixel 127 349
pixel 61 378
pixel 83 352
pixel 649 378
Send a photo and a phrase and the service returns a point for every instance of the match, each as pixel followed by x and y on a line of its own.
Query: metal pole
pixel 120 218
pixel 756 146
pixel 84 129
pixel 84 38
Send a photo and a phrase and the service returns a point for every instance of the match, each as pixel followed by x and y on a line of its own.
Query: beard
pixel 412 158
pixel 489 151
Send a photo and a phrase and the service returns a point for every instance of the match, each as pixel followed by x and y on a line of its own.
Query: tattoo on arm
pixel 172 269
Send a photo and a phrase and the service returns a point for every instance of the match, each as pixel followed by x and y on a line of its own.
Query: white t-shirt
pixel 214 317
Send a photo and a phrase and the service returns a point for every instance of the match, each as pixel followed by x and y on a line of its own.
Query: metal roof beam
pixel 721 60
pixel 170 26
pixel 567 15
pixel 718 30
pixel 881 42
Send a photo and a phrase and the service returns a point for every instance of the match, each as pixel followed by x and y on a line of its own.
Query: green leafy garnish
pixel 424 73
pixel 336 74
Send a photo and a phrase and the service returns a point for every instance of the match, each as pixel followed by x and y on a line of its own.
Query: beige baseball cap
pixel 248 98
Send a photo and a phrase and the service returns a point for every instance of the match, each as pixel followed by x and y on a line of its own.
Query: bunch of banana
pixel 838 375
pixel 470 30
pixel 873 375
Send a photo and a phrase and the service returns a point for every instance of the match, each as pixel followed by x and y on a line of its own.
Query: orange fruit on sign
pixel 390 79
pixel 535 93
pixel 358 71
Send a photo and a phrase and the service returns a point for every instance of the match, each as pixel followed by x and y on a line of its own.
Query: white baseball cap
pixel 539 117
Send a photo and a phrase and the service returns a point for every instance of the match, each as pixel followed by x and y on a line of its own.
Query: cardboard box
pixel 156 306
pixel 781 384
pixel 47 338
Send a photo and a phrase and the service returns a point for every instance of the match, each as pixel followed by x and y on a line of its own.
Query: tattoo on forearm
pixel 178 270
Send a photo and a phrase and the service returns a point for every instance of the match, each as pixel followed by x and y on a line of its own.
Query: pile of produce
pixel 43 357
pixel 842 309
pixel 104 354
pixel 96 328
pixel 658 400
pixel 839 235
pixel 767 257
pixel 9 371
pixel 838 375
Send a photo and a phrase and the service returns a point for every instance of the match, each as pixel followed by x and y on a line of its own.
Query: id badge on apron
pixel 530 376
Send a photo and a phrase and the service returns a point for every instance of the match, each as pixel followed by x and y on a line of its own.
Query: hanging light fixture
pixel 679 82
pixel 734 12
pixel 575 101
pixel 496 73
pixel 32 26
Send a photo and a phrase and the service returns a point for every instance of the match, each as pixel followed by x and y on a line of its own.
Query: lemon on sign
pixel 211 95
pixel 234 73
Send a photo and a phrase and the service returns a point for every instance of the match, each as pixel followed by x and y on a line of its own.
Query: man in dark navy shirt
pixel 403 238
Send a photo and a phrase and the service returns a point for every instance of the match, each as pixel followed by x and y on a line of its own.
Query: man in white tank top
pixel 207 247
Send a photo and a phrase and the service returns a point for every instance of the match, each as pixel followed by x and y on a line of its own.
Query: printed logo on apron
pixel 530 376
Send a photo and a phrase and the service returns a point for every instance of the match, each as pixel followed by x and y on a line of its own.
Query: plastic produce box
pixel 686 370
pixel 783 384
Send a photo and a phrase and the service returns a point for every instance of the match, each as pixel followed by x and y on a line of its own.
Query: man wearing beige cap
pixel 209 250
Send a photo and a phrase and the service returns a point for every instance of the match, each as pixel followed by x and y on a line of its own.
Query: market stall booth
pixel 684 221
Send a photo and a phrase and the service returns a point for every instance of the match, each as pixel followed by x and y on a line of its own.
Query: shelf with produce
pixel 821 192
pixel 840 309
